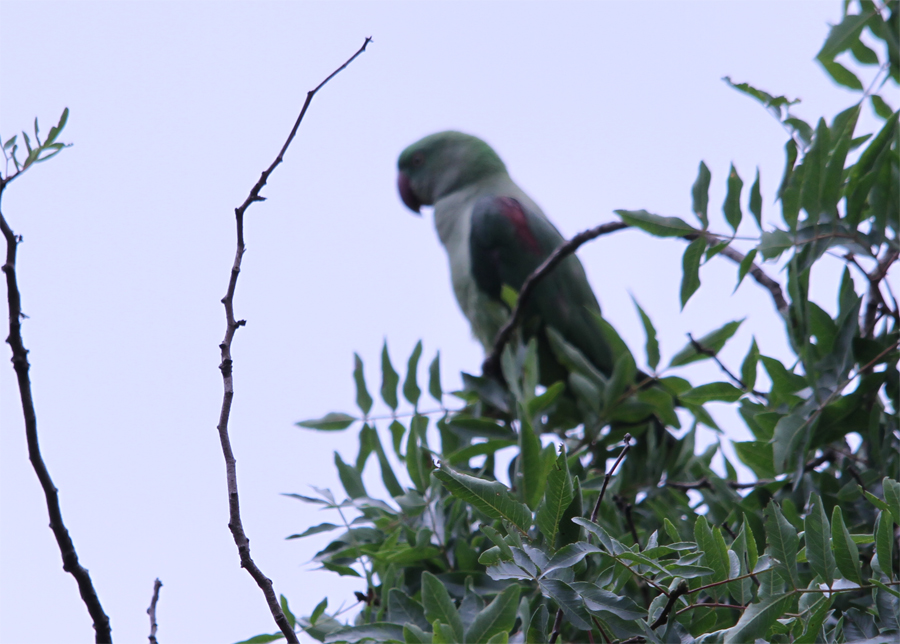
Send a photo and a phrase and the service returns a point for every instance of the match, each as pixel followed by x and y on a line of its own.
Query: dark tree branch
pixel 680 590
pixel 102 630
pixel 557 626
pixel 609 474
pixel 712 354
pixel 152 610
pixel 232 325
pixel 491 365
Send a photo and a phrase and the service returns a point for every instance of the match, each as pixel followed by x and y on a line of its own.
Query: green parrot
pixel 496 235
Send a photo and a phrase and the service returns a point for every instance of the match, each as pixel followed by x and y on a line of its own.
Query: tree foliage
pixel 579 549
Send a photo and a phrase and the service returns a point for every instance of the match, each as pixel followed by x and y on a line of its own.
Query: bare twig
pixel 699 348
pixel 491 365
pixel 234 523
pixel 102 630
pixel 152 610
pixel 609 474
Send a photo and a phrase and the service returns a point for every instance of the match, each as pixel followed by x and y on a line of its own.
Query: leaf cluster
pixel 505 521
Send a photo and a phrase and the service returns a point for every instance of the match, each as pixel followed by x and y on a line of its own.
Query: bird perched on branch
pixel 495 235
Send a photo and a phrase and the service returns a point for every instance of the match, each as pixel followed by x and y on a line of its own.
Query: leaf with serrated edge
pixel 558 495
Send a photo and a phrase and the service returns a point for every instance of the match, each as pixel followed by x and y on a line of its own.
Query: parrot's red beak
pixel 407 195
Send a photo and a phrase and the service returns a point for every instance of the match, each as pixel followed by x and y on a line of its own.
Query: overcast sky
pixel 129 239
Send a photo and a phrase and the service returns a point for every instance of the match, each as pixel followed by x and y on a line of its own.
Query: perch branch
pixel 491 365
pixel 102 630
pixel 232 325
pixel 152 610
pixel 680 590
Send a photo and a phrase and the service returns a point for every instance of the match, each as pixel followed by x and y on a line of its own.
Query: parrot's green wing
pixel 507 243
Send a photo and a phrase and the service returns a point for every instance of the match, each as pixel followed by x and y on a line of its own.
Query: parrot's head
pixel 443 163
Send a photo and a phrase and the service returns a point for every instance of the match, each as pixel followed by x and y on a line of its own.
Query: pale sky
pixel 129 237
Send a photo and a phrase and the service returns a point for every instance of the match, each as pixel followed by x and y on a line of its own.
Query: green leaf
pixel 411 389
pixel 756 620
pixel 843 36
pixel 748 366
pixel 783 381
pixel 842 75
pixel 329 422
pixel 350 478
pixel 773 244
pixel 757 455
pixel 652 346
pixel 378 631
pixel 843 125
pixel 884 542
pixel 690 269
pixel 569 601
pixel 817 533
pixel 496 618
pixel 263 639
pixel 415 461
pixel 434 378
pixel 783 543
pixel 530 475
pixel 863 54
pixel 814 170
pixel 786 438
pixel 282 599
pixel 597 600
pixel 715 552
pixel 438 605
pixel 881 108
pixel 464 454
pixel 732 205
pixel 558 496
pixel 412 634
pixel 569 555
pixel 389 379
pixel 656 225
pixel 712 342
pixel 490 497
pixel 318 611
pixel 322 527
pixel 541 402
pixel 755 203
pixel 846 554
pixel 700 194
pixel 745 266
pixel 891 490
pixel 621 379
pixel 363 399
pixel 722 391
pixel 391 484
pixel 773 103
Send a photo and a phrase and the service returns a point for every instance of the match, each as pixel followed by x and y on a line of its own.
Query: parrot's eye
pixel 418 159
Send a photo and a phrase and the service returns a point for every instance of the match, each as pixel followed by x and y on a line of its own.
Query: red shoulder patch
pixel 514 212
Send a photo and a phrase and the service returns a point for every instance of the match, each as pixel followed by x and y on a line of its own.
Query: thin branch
pixel 680 590
pixel 152 610
pixel 232 325
pixel 712 354
pixel 491 365
pixel 756 272
pixel 609 474
pixel 557 626
pixel 102 631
